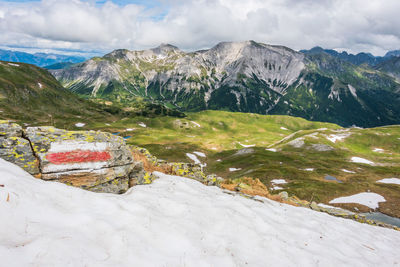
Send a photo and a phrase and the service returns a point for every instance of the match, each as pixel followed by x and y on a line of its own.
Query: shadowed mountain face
pixel 244 76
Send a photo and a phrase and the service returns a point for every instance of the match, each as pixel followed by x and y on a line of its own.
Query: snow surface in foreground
pixel 389 181
pixel 370 200
pixel 174 222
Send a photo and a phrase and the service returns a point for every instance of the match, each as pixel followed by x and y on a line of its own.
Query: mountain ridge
pixel 242 76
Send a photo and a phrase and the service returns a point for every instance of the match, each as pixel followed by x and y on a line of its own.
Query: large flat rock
pixel 86 159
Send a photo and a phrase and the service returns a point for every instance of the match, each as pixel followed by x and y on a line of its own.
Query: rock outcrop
pixel 95 161
pixel 16 149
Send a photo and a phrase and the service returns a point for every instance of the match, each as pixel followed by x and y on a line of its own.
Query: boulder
pixel 16 149
pixel 91 160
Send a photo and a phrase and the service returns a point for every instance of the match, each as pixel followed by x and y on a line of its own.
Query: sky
pixel 96 27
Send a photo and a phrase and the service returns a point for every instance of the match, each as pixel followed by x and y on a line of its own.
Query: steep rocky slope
pixel 245 76
pixel 391 66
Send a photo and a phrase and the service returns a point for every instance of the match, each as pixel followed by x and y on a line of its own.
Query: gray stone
pixel 321 147
pixel 16 149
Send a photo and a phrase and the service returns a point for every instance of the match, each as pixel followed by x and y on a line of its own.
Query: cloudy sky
pixel 101 26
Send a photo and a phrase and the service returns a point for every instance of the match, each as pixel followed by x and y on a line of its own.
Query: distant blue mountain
pixel 38 59
pixel 358 59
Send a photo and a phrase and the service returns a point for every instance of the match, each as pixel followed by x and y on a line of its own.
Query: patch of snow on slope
pixel 193 157
pixel 174 222
pixel 337 137
pixel 246 145
pixel 141 124
pixel 309 169
pixel 361 160
pixel 234 169
pixel 80 124
pixel 130 129
pixel 40 85
pixel 200 154
pixel 13 64
pixel 389 181
pixel 271 149
pixel 344 170
pixel 278 181
pixel 368 199
pixel 352 90
pixel 277 188
pixel 378 150
pixel 195 123
pixel 283 128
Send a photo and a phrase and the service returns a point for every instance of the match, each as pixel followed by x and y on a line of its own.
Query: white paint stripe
pixel 48 168
pixel 67 146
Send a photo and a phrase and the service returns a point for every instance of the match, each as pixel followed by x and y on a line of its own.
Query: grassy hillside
pixel 306 152
pixel 32 95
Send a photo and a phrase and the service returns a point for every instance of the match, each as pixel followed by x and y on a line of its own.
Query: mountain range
pixel 245 77
pixel 38 59
pixel 356 59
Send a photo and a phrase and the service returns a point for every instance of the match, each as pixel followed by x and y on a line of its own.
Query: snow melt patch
pixel 234 169
pixel 80 124
pixel 271 149
pixel 277 188
pixel 193 157
pixel 278 181
pixel 368 199
pixel 344 170
pixel 378 150
pixel 308 169
pixel 361 160
pixel 246 145
pixel 141 124
pixel 196 124
pixel 130 129
pixel 283 128
pixel 200 154
pixel 40 85
pixel 337 137
pixel 174 222
pixel 389 181
pixel 13 64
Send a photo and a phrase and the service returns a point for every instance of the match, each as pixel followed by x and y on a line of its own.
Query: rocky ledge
pixel 91 160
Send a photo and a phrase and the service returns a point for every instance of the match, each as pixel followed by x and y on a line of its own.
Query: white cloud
pixel 355 25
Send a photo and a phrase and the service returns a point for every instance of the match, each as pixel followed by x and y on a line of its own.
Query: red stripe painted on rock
pixel 78 156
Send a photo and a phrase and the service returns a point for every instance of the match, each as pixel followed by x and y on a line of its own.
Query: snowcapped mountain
pixel 243 76
pixel 174 222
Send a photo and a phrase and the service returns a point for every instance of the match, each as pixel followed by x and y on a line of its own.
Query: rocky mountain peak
pixel 165 49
